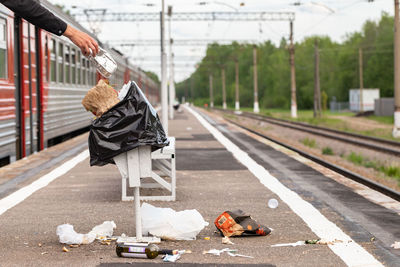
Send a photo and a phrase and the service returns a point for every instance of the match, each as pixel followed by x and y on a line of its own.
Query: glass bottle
pixel 103 62
pixel 138 250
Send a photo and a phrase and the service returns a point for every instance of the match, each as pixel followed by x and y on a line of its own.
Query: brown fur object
pixel 100 98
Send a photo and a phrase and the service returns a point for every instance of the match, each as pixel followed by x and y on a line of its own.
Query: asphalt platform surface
pixel 210 180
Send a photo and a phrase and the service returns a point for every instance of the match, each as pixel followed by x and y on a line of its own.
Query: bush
pixel 309 142
pixel 327 151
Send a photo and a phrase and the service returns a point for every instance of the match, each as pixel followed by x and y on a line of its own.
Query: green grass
pixel 390 171
pixel 309 142
pixel 327 151
pixel 382 119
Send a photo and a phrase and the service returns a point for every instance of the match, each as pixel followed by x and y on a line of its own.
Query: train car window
pixel 73 65
pixel 46 59
pixel 60 62
pixel 78 66
pixel 3 49
pixel 84 70
pixel 53 66
pixel 67 64
pixel 88 79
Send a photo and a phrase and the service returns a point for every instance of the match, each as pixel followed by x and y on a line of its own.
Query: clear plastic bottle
pixel 104 63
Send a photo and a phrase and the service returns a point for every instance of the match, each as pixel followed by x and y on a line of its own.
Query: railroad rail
pixel 374 143
pixel 343 171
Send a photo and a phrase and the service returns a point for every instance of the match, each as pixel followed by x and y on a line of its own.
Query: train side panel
pixel 7 88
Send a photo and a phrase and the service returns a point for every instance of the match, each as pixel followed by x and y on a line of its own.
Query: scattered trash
pixel 43 253
pixel 64 249
pixel 171 258
pixel 372 239
pixel 273 203
pixel 310 242
pixel 207 238
pixel 67 234
pixel 226 240
pixel 237 223
pixel 168 224
pixel 141 250
pixel 298 243
pixel 39 245
pixel 229 251
pixel 396 245
pixel 239 255
pixel 74 246
pixel 218 252
pixel 326 242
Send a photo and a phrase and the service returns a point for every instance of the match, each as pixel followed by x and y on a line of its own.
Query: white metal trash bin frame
pixel 136 164
pixel 164 160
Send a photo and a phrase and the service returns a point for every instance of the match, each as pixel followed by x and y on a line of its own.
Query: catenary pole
pixel 396 128
pixel 223 88
pixel 164 90
pixel 293 105
pixel 237 103
pixel 256 108
pixel 171 68
pixel 360 66
pixel 210 76
pixel 317 91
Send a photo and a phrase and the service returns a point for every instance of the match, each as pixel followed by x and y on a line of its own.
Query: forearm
pixel 33 12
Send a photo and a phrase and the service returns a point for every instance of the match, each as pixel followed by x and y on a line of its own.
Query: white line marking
pixel 17 197
pixel 349 251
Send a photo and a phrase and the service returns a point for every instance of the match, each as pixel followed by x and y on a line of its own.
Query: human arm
pixel 38 15
pixel 82 40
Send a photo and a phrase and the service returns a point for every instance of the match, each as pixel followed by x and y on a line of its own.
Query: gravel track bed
pixel 339 148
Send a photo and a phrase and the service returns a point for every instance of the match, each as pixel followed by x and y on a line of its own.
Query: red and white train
pixel 43 79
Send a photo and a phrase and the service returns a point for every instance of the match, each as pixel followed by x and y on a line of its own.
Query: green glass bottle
pixel 138 250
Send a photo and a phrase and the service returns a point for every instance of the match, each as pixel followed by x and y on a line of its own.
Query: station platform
pixel 219 167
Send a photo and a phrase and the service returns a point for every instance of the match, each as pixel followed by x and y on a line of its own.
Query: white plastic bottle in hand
pixel 104 63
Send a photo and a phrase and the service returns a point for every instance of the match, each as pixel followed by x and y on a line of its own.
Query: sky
pixel 333 18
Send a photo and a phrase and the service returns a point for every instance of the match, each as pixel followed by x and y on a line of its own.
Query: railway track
pixel 376 144
pixel 338 169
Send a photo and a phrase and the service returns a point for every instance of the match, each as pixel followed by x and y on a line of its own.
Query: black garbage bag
pixel 131 123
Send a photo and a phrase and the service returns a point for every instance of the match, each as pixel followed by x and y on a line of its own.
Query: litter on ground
pixel 229 251
pixel 396 245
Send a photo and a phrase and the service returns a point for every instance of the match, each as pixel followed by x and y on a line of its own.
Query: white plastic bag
pixel 124 90
pixel 169 224
pixel 67 234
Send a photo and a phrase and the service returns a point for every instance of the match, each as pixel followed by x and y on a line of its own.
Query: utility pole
pixel 211 90
pixel 223 88
pixel 256 107
pixel 360 66
pixel 237 104
pixel 293 105
pixel 396 128
pixel 171 69
pixel 191 89
pixel 317 89
pixel 164 89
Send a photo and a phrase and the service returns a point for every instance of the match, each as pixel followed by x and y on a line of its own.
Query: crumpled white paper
pixel 67 234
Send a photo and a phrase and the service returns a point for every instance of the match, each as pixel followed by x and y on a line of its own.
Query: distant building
pixel 384 106
pixel 368 99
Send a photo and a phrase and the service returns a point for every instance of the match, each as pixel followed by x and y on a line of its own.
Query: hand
pixel 82 40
